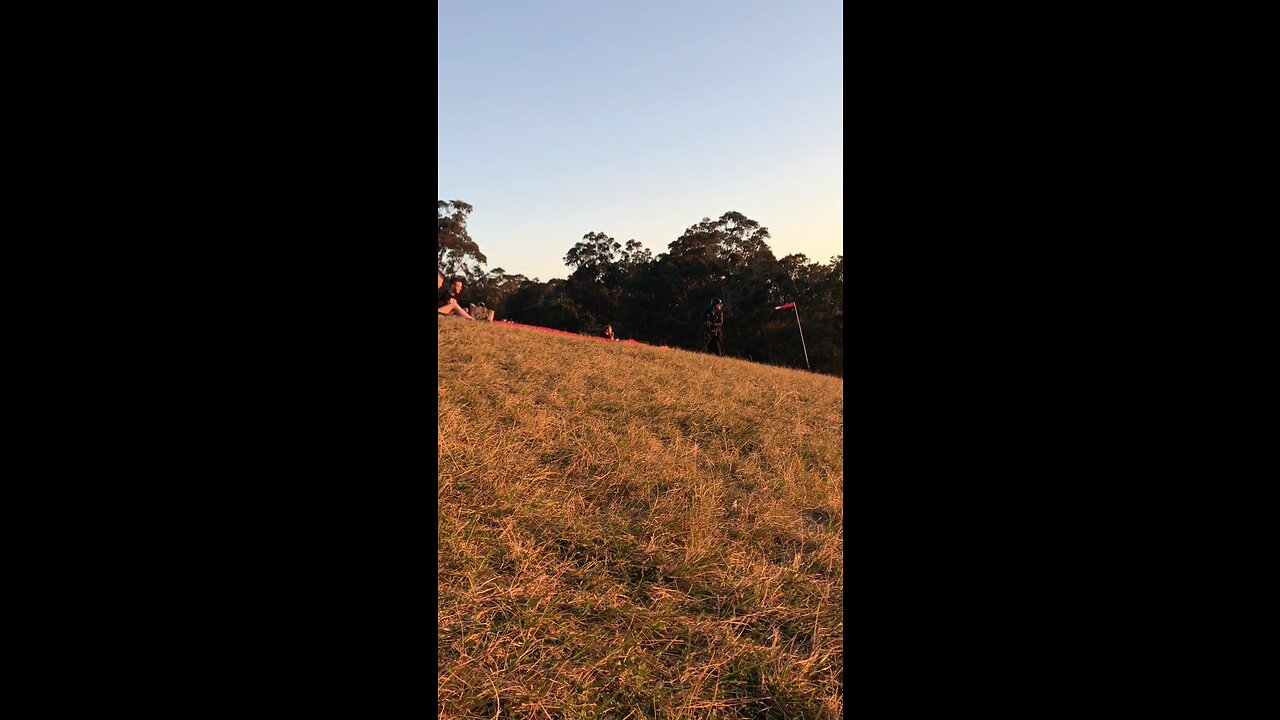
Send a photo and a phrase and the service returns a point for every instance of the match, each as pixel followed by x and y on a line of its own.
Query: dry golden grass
pixel 635 532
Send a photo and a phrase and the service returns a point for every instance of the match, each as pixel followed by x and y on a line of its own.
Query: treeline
pixel 660 300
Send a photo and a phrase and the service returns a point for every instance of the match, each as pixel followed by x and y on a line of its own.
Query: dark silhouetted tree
pixel 454 245
pixel 602 266
pixel 726 258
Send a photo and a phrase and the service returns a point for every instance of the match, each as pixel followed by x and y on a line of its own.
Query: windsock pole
pixel 792 305
pixel 802 345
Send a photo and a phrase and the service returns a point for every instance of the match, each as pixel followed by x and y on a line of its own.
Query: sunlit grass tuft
pixel 628 531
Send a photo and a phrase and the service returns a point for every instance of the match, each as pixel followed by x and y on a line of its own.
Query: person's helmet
pixel 717 301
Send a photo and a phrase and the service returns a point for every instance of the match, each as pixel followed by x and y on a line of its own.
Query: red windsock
pixel 784 307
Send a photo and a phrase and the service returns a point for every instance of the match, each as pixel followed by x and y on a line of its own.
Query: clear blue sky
pixel 638 119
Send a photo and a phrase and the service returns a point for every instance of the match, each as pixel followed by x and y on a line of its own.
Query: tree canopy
pixel 660 300
pixel 454 245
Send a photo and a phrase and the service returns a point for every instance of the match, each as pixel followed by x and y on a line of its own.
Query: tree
pixel 601 269
pixel 546 305
pixel 636 255
pixel 818 291
pixel 453 244
pixel 594 256
pixel 726 258
pixel 492 287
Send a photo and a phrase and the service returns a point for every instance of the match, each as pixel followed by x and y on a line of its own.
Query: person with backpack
pixel 712 327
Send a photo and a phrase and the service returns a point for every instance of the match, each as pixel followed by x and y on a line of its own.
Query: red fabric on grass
pixel 565 332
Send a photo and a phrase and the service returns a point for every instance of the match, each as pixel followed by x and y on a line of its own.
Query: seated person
pixel 447 301
pixel 608 333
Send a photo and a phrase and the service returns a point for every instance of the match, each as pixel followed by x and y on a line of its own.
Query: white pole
pixel 802 345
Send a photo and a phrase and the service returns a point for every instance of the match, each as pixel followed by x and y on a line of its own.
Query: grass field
pixel 628 531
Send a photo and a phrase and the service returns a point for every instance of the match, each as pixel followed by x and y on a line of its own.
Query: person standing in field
pixel 712 325
pixel 608 333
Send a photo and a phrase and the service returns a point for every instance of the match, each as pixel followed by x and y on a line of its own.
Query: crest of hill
pixel 624 526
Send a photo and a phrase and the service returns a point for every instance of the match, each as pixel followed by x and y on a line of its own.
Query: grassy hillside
pixel 628 531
